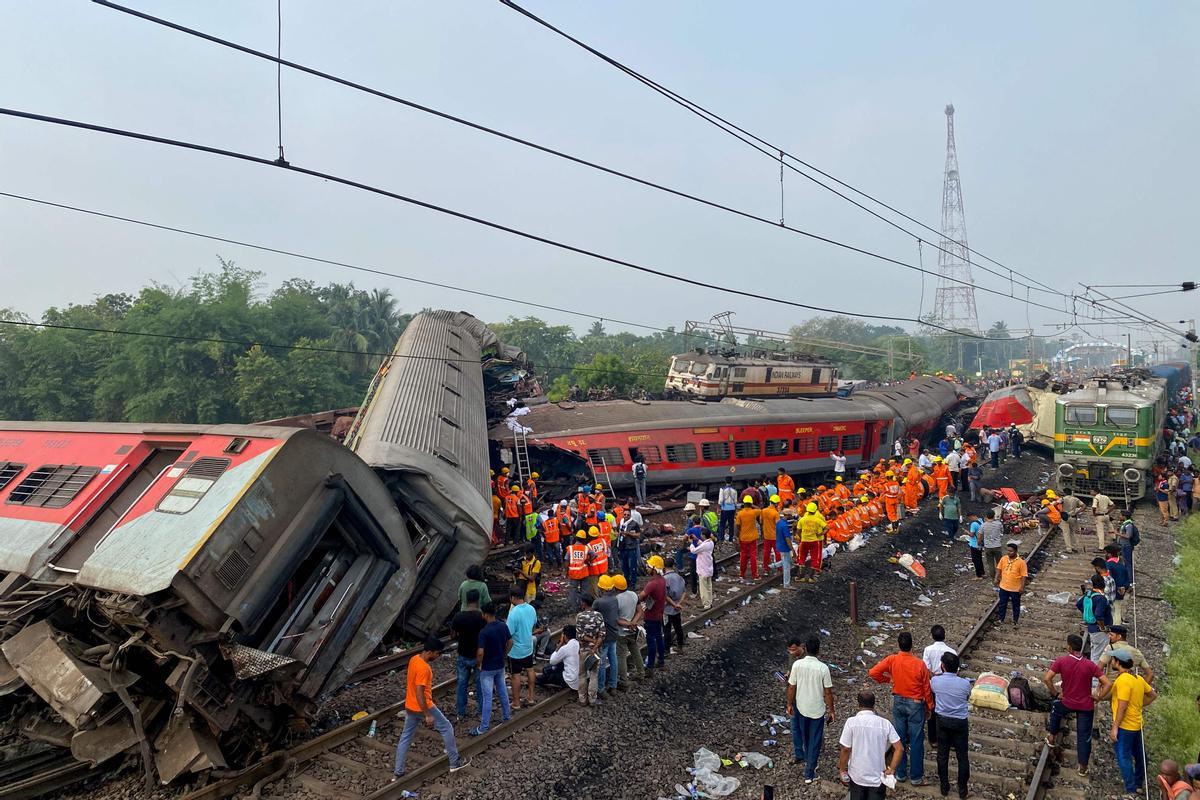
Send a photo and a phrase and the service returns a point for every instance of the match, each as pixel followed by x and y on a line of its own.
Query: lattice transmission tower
pixel 954 302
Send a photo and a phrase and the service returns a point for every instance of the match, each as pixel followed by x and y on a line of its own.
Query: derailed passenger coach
pixel 214 579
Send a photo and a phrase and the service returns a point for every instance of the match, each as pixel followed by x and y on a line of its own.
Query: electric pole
pixel 954 301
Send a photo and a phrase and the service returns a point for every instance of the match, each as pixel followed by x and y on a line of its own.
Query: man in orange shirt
pixel 785 485
pixel 911 700
pixel 418 706
pixel 512 516
pixel 746 523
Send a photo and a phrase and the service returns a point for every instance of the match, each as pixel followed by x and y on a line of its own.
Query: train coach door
pixel 870 431
pixel 723 372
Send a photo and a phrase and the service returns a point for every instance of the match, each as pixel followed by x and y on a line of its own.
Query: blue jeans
pixel 995 459
pixel 1007 598
pixel 909 718
pixel 808 736
pixel 1130 759
pixel 466 668
pixel 655 644
pixel 639 486
pixel 412 721
pixel 629 566
pixel 1083 728
pixel 608 666
pixel 950 526
pixel 554 553
pixel 1127 556
pixel 491 683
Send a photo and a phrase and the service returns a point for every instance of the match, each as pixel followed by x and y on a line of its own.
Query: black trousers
pixel 977 560
pixel 952 735
pixel 867 792
pixel 674 625
pixel 514 527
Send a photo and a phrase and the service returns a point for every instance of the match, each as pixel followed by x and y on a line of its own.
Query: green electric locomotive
pixel 1108 433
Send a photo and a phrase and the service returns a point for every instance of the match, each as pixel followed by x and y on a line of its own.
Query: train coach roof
pixel 147 428
pixel 797 360
pixel 1144 394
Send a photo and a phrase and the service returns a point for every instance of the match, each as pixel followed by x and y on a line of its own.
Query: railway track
pixel 1009 757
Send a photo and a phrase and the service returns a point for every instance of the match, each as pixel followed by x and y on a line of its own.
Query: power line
pixel 766 147
pixel 545 149
pixel 233 154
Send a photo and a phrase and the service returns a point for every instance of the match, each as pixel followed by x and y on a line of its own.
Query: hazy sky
pixel 1076 122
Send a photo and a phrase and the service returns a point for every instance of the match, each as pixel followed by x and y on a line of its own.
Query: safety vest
pixel 583 503
pixel 599 549
pixel 501 484
pixel 531 521
pixel 531 488
pixel 577 558
pixel 893 491
pixel 606 528
pixel 550 529
pixel 512 506
pixel 526 505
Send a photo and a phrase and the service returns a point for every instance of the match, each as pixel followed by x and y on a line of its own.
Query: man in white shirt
pixel 864 743
pixel 954 463
pixel 809 704
pixel 932 655
pixel 995 443
pixel 925 460
pixel 839 462
pixel 563 669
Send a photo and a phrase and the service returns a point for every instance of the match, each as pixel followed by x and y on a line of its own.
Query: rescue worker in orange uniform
pixel 861 486
pixel 836 529
pixel 840 489
pixel 941 476
pixel 746 522
pixel 786 486
pixel 512 517
pixel 598 563
pixel 502 482
pixel 526 503
pixel 583 502
pixel 531 488
pixel 598 497
pixel 769 518
pixel 551 532
pixel 911 491
pixel 578 569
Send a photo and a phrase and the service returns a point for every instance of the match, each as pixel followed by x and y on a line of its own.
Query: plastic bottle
pixel 371 731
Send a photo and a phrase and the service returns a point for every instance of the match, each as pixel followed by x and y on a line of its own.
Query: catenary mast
pixel 954 303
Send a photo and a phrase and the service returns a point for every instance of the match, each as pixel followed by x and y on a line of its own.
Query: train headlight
pixel 1066 470
pixel 1133 475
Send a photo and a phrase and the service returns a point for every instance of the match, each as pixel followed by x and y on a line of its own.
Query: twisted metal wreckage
pixel 189 592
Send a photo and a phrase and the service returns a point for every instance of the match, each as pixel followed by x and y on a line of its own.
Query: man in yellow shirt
pixel 1011 573
pixel 1130 694
pixel 746 522
pixel 812 538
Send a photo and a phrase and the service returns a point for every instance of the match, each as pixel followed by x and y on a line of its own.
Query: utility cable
pixel 233 154
pixel 279 75
pixel 764 146
pixel 280 62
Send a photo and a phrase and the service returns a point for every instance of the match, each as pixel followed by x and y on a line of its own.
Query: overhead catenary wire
pixel 767 148
pixel 545 149
pixel 246 157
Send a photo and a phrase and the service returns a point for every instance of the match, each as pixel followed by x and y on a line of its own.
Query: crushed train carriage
pixel 188 591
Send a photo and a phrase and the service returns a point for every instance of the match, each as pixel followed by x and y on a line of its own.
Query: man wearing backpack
pixel 1097 615
pixel 639 479
pixel 1129 537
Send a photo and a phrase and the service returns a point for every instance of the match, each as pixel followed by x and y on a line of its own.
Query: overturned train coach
pixel 189 593
pixel 700 444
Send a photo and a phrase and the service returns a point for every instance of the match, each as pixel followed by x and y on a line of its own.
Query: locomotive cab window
pixel 1121 416
pixel 739 372
pixel 715 451
pixel 1080 415
pixel 681 453
pixel 826 444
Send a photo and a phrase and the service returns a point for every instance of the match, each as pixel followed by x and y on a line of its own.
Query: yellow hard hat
pixel 774 498
pixel 811 508
pixel 838 479
pixel 1050 493
pixel 801 490
pixel 619 582
pixel 748 500
pixel 907 461
pixel 889 474
pixel 1045 502
pixel 504 470
pixel 491 472
pixel 654 562
pixel 605 583
pixel 593 531
pixel 598 486
pixel 580 535
pixel 534 475
pixel 864 499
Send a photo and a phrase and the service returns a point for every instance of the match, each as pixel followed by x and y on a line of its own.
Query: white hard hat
pixel 704 503
pixel 690 507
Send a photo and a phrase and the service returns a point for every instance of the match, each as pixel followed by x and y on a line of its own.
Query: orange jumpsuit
pixel 941 477
pixel 912 494
pixel 786 486
pixel 842 491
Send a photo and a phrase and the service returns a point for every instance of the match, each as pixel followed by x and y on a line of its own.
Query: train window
pixel 51 485
pixel 749 448
pixel 1080 415
pixel 681 453
pixel 739 372
pixel 777 447
pixel 852 442
pixel 804 444
pixel 883 435
pixel 649 453
pixel 193 485
pixel 715 451
pixel 8 471
pixel 827 443
pixel 1120 416
pixel 601 456
pixel 816 376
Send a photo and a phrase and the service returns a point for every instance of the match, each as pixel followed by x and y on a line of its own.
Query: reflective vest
pixel 512 507
pixel 531 488
pixel 577 558
pixel 583 503
pixel 501 484
pixel 599 549
pixel 531 521
pixel 526 505
pixel 550 529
